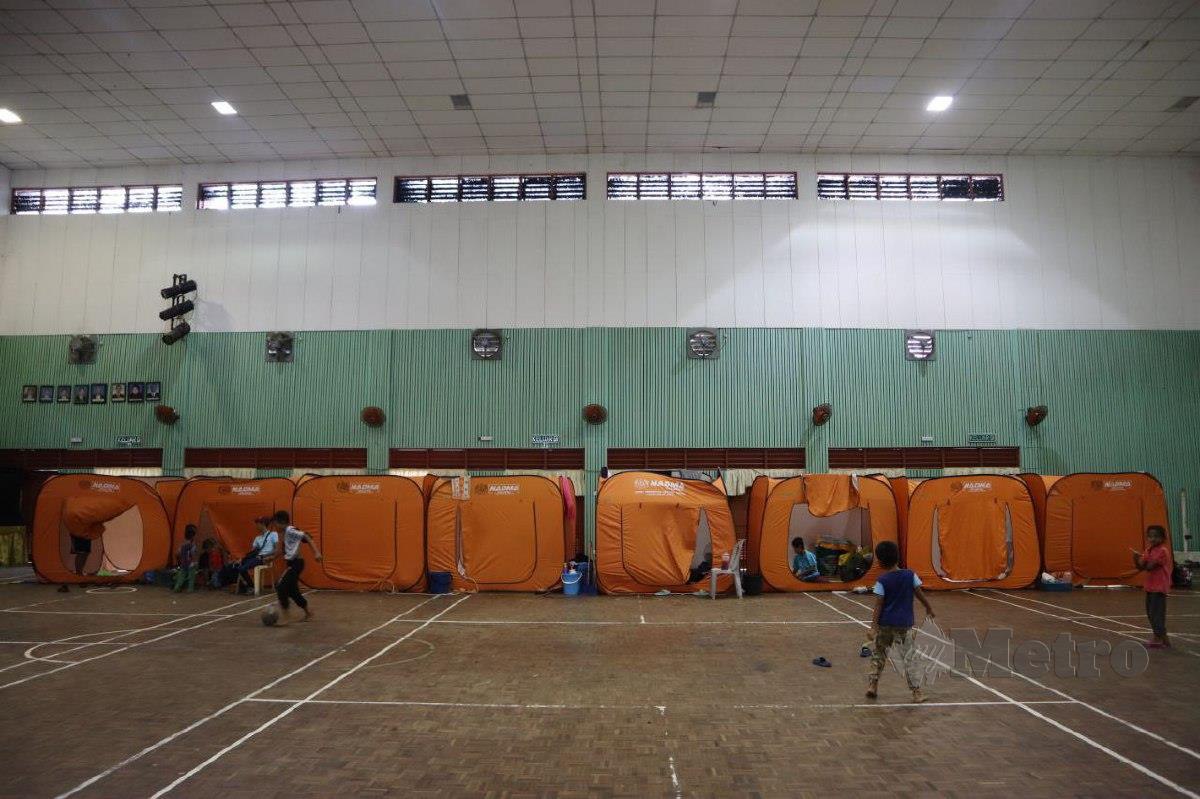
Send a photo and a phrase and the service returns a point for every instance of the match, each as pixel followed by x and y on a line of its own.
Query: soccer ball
pixel 270 615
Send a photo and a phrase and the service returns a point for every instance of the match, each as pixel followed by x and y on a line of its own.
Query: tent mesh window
pixel 490 188
pixel 702 186
pixel 97 200
pixel 288 193
pixel 852 186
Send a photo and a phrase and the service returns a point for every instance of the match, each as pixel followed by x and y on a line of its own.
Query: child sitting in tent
pixel 893 622
pixel 186 561
pixel 804 563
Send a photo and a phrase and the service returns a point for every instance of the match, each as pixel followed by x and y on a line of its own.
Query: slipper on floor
pixel 821 662
pixel 663 592
pixel 865 652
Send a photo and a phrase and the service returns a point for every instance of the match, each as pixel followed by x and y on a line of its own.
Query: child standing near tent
pixel 186 561
pixel 288 587
pixel 893 622
pixel 1156 562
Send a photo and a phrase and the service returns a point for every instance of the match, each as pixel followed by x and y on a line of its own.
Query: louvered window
pixel 494 188
pixel 97 200
pixel 702 185
pixel 853 186
pixel 288 193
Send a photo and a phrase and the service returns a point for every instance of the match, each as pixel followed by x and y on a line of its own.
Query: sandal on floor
pixel 821 662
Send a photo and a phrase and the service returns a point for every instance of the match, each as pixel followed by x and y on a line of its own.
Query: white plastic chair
pixel 734 570
pixel 264 578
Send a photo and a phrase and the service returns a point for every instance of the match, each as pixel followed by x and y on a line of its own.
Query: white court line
pixel 1073 620
pixel 136 644
pixel 39 604
pixel 1114 619
pixel 1030 710
pixel 589 622
pixel 1082 703
pixel 107 613
pixel 290 709
pixel 247 698
pixel 660 708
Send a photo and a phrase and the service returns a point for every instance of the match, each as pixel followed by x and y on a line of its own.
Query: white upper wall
pixel 1078 243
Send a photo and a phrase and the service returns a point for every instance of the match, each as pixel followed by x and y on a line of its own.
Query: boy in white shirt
pixel 288 587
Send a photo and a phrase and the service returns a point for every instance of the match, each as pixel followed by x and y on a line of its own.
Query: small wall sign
pixel 980 439
pixel 129 441
pixel 545 440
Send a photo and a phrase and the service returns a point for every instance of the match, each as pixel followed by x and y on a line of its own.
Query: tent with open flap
pixel 224 509
pixel 840 517
pixel 652 530
pixel 117 526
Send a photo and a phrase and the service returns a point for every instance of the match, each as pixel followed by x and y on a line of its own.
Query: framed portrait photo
pixel 46 394
pixel 135 392
pixel 116 392
pixel 82 395
pixel 153 392
pixel 63 394
pixel 99 393
pixel 28 393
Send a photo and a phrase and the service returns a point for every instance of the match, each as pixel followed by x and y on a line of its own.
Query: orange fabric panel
pixel 513 534
pixel 760 489
pixel 774 547
pixel 169 490
pixel 971 533
pixel 238 503
pixel 84 515
pixel 370 528
pixel 970 546
pixel 632 540
pixel 143 517
pixel 828 494
pixel 1093 519
pixel 662 553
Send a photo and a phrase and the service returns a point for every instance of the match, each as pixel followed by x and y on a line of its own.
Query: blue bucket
pixel 439 582
pixel 571 583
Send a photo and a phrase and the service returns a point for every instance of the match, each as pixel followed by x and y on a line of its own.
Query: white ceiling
pixel 106 82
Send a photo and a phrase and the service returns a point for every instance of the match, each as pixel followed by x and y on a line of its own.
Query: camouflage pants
pixel 904 639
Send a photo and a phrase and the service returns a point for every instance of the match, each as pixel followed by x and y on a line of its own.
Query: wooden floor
pixel 145 693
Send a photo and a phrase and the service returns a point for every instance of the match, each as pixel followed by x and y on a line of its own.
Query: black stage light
pixel 185 307
pixel 176 333
pixel 177 289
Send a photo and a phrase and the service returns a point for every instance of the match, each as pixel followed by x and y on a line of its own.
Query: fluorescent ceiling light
pixel 223 107
pixel 939 103
pixel 8 116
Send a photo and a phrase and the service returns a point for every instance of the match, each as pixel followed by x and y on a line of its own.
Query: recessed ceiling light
pixel 461 102
pixel 706 99
pixel 940 103
pixel 8 117
pixel 223 107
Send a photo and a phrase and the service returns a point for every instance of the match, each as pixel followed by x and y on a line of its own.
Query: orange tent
pixel 820 508
pixel 508 535
pixel 121 518
pixel 225 509
pixel 976 531
pixel 168 488
pixel 652 530
pixel 1091 521
pixel 370 528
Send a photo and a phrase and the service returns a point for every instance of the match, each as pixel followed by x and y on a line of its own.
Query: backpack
pixel 1181 577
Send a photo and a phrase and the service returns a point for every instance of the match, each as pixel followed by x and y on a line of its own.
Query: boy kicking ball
pixel 893 622
pixel 288 587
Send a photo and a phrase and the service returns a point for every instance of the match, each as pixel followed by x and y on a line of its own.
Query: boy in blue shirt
pixel 893 622
pixel 804 563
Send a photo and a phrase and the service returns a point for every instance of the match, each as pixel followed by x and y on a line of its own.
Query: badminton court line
pixel 222 711
pixel 136 644
pixel 291 708
pixel 659 708
pixel 1042 685
pixel 1065 695
pixel 1113 619
pixel 592 622
pixel 973 592
pixel 1154 775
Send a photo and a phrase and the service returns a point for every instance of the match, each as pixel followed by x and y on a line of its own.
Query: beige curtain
pixel 326 472
pixel 960 471
pixel 738 481
pixel 884 472
pixel 129 471
pixel 236 474
pixel 576 475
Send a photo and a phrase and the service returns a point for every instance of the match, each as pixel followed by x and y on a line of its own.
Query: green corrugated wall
pixel 1118 399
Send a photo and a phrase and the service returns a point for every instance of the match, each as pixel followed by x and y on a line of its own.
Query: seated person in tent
pixel 262 551
pixel 213 556
pixel 185 571
pixel 701 569
pixel 804 563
